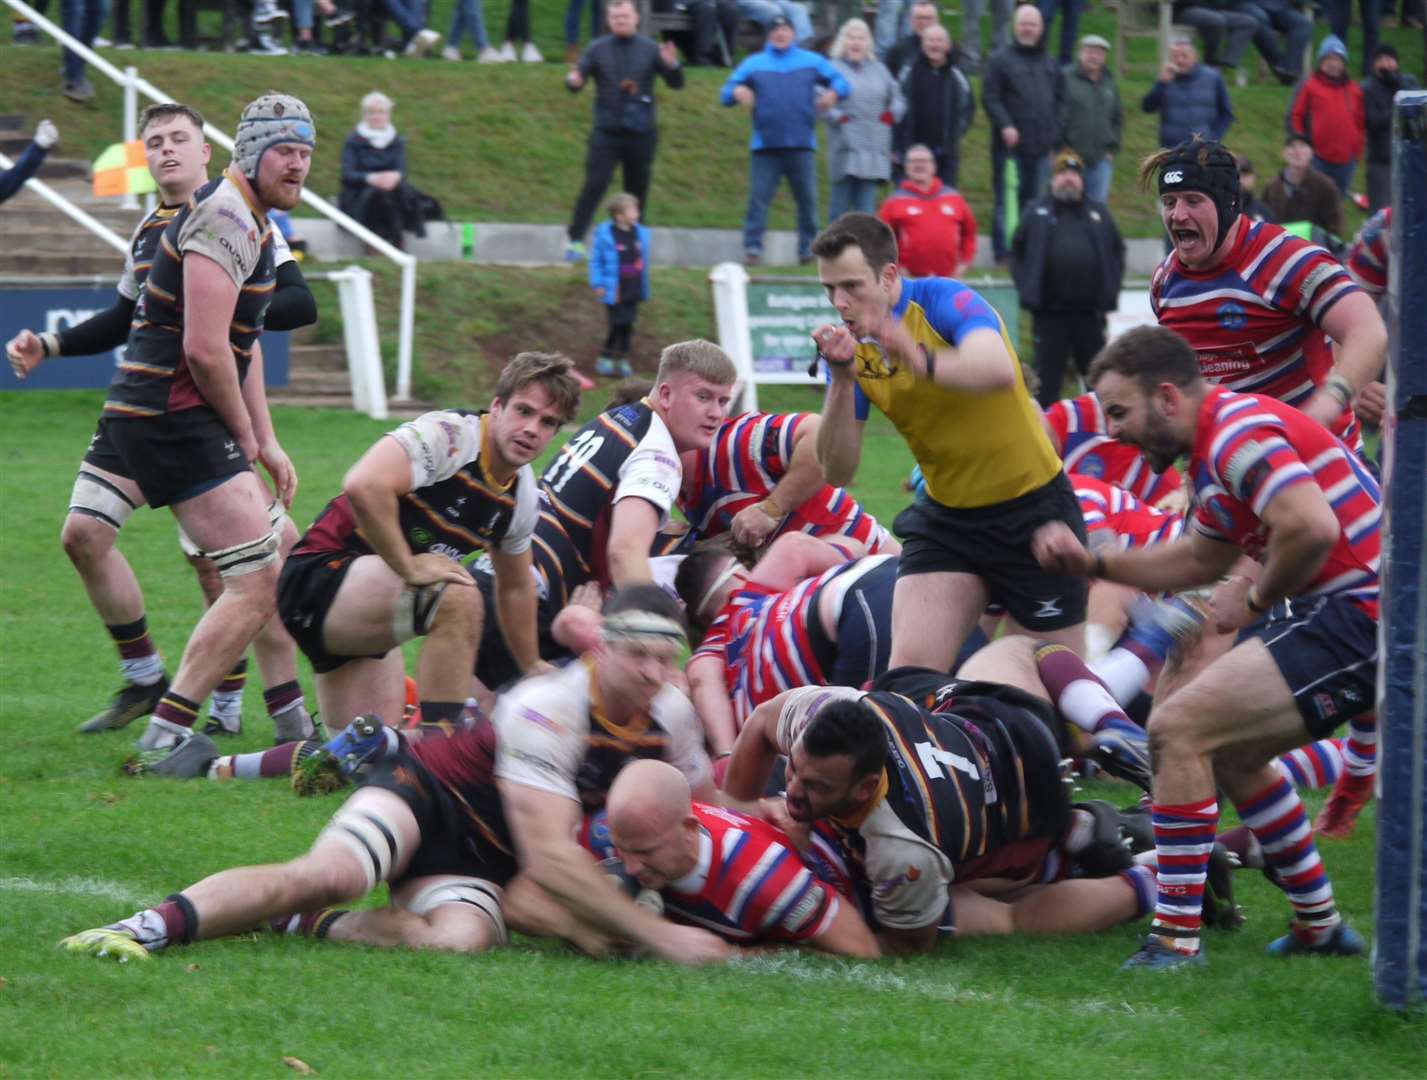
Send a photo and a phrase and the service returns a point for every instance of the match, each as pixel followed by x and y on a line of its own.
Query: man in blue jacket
pixel 1190 98
pixel 786 87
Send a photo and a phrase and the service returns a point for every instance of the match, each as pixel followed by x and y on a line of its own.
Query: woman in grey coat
pixel 859 127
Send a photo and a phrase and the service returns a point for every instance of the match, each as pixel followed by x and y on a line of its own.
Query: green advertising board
pixel 783 312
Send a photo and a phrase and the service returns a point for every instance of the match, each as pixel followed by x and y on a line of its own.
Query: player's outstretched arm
pixel 754 752
pixel 515 602
pixel 1192 560
pixel 804 476
pixel 848 935
pixel 1355 324
pixel 543 826
pixel 632 529
pixel 708 690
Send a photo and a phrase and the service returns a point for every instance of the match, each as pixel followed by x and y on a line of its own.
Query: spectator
pixel 1068 261
pixel 1328 111
pixel 1091 115
pixel 619 275
pixel 1021 91
pixel 304 13
pixel 859 128
pixel 469 17
pixel 1215 20
pixel 623 64
pixel 1300 193
pixel 517 32
pixel 971 12
pixel 934 226
pixel 1069 24
pixel 375 190
pixel 1340 17
pixel 786 87
pixel 416 39
pixel 572 26
pixel 1276 17
pixel 909 47
pixel 46 135
pixel 892 22
pixel 1250 205
pixel 940 104
pixel 766 12
pixel 80 19
pixel 1378 90
pixel 708 20
pixel 1190 98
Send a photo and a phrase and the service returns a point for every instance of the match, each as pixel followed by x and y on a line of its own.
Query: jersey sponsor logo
pixel 883 891
pixel 540 720
pixel 1226 362
pixel 238 257
pixel 1232 315
pixel 420 537
pixel 1326 707
pixel 1091 465
pixel 536 762
pixel 455 554
pixel 244 227
pixel 666 460
pixel 453 435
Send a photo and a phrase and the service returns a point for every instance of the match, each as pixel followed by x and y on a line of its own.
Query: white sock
pixel 143 670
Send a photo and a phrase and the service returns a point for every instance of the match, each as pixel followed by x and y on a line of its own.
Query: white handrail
pixel 407 325
pixel 59 202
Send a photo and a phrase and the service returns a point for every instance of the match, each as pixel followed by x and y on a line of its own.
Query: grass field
pixel 81 846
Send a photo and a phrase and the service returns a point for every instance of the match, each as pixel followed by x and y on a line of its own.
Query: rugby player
pixel 609 491
pixel 947 792
pixel 1272 484
pixel 1261 308
pixel 105 494
pixel 447 823
pixel 736 875
pixel 934 356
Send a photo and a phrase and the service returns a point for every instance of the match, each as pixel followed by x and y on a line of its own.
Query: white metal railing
pixel 75 213
pixel 133 85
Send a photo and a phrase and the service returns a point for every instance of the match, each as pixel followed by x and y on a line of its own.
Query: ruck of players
pixel 677 692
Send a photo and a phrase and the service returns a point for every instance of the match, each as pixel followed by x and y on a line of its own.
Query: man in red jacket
pixel 936 231
pixel 1328 110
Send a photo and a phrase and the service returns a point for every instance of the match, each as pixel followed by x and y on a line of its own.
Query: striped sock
pixel 1079 695
pixel 1276 817
pixel 225 704
pixel 282 697
pixel 317 924
pixel 1360 749
pixel 139 658
pixel 1184 840
pixel 176 709
pixel 1317 765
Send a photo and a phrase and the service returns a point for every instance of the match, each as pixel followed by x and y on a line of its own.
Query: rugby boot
pixel 1124 756
pixel 221 725
pixel 1343 941
pixel 1340 813
pixel 106 941
pixel 1108 851
pixel 1162 626
pixel 186 761
pixel 1220 911
pixel 130 702
pixel 162 734
pixel 333 764
pixel 1155 955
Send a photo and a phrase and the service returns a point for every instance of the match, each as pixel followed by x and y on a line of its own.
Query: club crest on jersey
pixel 884 890
pixel 1232 316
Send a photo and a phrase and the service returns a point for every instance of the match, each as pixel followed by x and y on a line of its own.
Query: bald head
pixel 1028 24
pixel 652 823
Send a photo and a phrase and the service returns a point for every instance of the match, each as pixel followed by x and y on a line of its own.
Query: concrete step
pixel 46 263
pixel 78 241
pixel 405 410
pixel 36 214
pixel 307 383
pixel 318 358
pixel 10 121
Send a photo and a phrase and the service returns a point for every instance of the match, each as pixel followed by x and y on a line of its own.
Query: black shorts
pixel 1326 650
pixel 305 592
pixel 495 666
pixel 448 844
pixel 864 629
pixel 174 456
pixel 102 454
pixel 994 543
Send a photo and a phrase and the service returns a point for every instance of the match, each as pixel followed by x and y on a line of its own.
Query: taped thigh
pixel 416 610
pixel 478 893
pixel 95 497
pixel 276 516
pixel 372 839
pixel 246 558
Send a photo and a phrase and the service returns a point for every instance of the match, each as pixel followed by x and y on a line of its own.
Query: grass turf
pixel 81 846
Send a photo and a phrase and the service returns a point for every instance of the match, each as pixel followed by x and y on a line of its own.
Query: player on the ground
pixel 736 875
pixel 948 795
pixel 934 356
pixel 187 412
pixel 105 493
pixel 1080 436
pixel 1274 485
pixel 609 491
pixel 1260 307
pixel 760 478
pixel 448 822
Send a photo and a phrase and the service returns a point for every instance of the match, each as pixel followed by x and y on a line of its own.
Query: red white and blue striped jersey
pixel 1087 448
pixel 1135 524
pixel 748 456
pixel 1368 258
pixel 1256 319
pixel 1248 449
pixel 749 884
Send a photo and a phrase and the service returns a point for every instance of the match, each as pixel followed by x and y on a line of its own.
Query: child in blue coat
pixel 619 274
